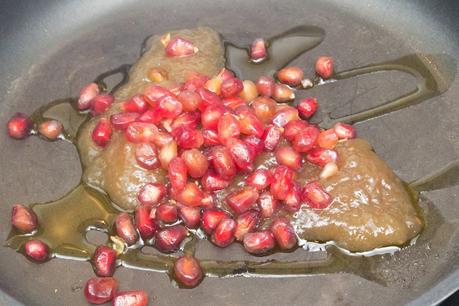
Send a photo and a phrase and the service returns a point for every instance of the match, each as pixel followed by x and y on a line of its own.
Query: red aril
pixel 151 116
pixel 100 103
pixel 121 121
pixel 282 182
pixel 191 195
pixel 292 128
pixel 264 108
pixel 146 156
pixel 210 138
pixel 37 250
pixel 291 75
pixel 187 271
pixel 190 100
pixel 282 93
pixel 284 233
pixel 194 80
pixel 154 93
pixel 284 115
pixel 287 156
pixel 259 179
pixel 324 66
pixel 191 216
pixel 223 235
pixel 258 50
pixel 195 162
pixel 136 104
pixel 267 204
pixel 177 173
pixel 166 213
pixel 162 138
pixel 180 47
pixel 211 181
pixel 207 98
pixel 168 240
pixel 144 222
pixel 167 153
pixel 249 91
pixel 170 106
pixel 344 131
pixel 151 194
pixel 102 133
pixel 100 290
pixel 307 107
pixel 255 143
pixel 141 132
pixel 208 200
pixel 306 139
pixel 265 86
pixel 211 217
pixel 271 137
pixel 225 74
pixel 187 120
pixel 19 126
pixel 246 223
pixel 228 126
pixel 51 129
pixel 231 87
pixel 87 93
pixel 259 242
pixel 233 102
pixel 315 196
pixel 125 228
pixel 223 163
pixel 211 115
pixel 249 124
pixel 104 261
pixel 23 218
pixel 292 201
pixel 242 200
pixel 321 157
pixel 241 153
pixel 130 298
pixel 189 138
pixel 327 139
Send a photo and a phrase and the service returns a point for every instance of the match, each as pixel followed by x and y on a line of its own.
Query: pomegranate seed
pixel 188 271
pixel 125 228
pixel 194 81
pixel 180 47
pixel 285 115
pixel 23 218
pixel 291 75
pixel 167 213
pixel 231 87
pixel 173 87
pixel 19 126
pixel 150 116
pixel 51 129
pixel 188 120
pixel 167 153
pixel 190 100
pixel 249 123
pixel 211 181
pixel 271 137
pixel 241 153
pixel 233 102
pixel 255 143
pixel 282 182
pixel 284 233
pixel 207 98
pixel 144 222
pixel 130 298
pixel 170 107
pixel 196 162
pixel 191 216
pixel 223 235
pixel 258 50
pixel 104 261
pixel 191 195
pixel 211 217
pixel 168 240
pixel 165 39
pixel 292 128
pixel 177 173
pixel 315 196
pixel 267 204
pixel 249 91
pixel 141 132
pixel 211 115
pixel 214 85
pixel 102 133
pixel 222 162
pixel 324 66
pixel 100 290
pixel 189 138
pixel 121 121
pixel 228 126
pixel 208 200
pixel 246 223
pixel 329 170
pixel 327 139
pixel 321 157
pixel 306 139
pixel 292 202
pixel 210 138
pixel 264 108
pixel 157 74
pixel 155 93
pixel 287 156
pixel 136 104
pixel 225 74
pixel 265 86
pixel 87 93
pixel 344 131
pixel 37 250
pixel 307 107
pixel 101 103
pixel 162 138
pixel 260 179
pixel 146 156
pixel 259 242
pixel 282 93
pixel 242 200
pixel 151 194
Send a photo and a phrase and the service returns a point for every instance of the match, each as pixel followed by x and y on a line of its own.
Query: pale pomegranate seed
pixel 23 218
pixel 191 195
pixel 191 216
pixel 214 85
pixel 19 126
pixel 249 91
pixel 233 102
pixel 130 298
pixel 284 233
pixel 324 66
pixel 211 181
pixel 344 131
pixel 210 138
pixel 154 93
pixel 87 93
pixel 241 153
pixel 170 106
pixel 194 81
pixel 246 223
pixel 162 138
pixel 208 200
pixel 157 74
pixel 188 271
pixel 264 108
pixel 231 87
pixel 285 115
pixel 259 242
pixel 249 123
pixel 306 139
pixel 211 116
pixel 125 228
pixel 287 156
pixel 51 129
pixel 321 157
pixel 282 182
pixel 146 156
pixel 211 217
pixel 282 93
pixel 167 153
pixel 190 100
pixel 329 170
pixel 267 204
pixel 228 126
pixel 327 139
pixel 141 132
pixel 144 222
pixel 121 121
pixel 102 133
pixel 196 162
pixel 100 290
pixel 189 138
pixel 271 137
pixel 177 173
pixel 207 98
pixel 265 86
pixel 136 104
pixel 101 103
pixel 258 50
pixel 37 250
pixel 292 201
pixel 292 128
pixel 291 75
pixel 242 200
pixel 315 196
pixel 260 179
pixel 151 194
pixel 166 213
pixel 180 47
pixel 104 261
pixel 255 143
pixel 168 240
pixel 307 107
pixel 223 235
pixel 165 39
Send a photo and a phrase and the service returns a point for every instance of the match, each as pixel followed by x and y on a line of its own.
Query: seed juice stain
pixel 64 223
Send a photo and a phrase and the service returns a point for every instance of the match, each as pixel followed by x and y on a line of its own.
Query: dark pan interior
pixel 49 49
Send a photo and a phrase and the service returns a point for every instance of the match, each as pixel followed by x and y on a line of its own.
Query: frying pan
pixel 50 48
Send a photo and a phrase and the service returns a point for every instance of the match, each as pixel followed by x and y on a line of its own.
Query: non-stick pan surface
pixel 49 49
